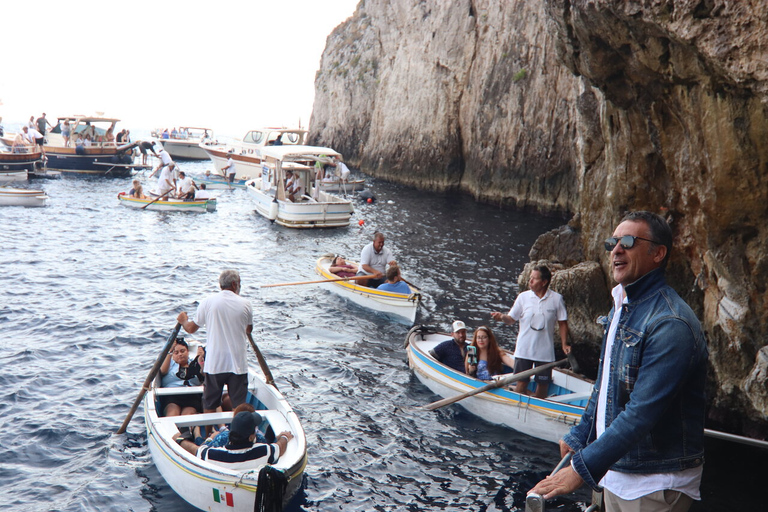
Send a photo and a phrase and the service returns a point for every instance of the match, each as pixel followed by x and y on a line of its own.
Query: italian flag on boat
pixel 221 497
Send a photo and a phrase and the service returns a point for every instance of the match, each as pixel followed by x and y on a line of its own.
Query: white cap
pixel 458 325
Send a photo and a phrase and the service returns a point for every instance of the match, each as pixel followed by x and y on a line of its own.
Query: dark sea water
pixel 90 293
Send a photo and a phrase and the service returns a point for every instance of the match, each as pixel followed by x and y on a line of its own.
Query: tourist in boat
pixel 31 122
pixel 394 282
pixel 89 131
pixel 294 187
pixel 202 193
pixel 87 142
pixel 185 187
pixel 539 310
pixel 165 134
pixel 489 356
pixel 341 268
pixel 165 182
pixel 178 370
pixel 174 133
pixel 229 170
pixel 374 259
pixel 19 143
pixel 228 319
pixel 109 137
pixel 137 191
pixel 453 352
pixel 242 452
pixel 641 437
pixel 42 124
pixel 219 438
pixel 66 131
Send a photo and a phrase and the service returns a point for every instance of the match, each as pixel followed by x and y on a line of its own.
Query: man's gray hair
pixel 228 277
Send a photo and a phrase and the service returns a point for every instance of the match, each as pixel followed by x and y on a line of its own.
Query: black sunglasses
pixel 626 242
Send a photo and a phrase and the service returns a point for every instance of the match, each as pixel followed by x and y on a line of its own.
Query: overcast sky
pixel 230 65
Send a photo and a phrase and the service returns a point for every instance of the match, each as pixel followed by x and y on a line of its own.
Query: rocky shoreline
pixel 590 109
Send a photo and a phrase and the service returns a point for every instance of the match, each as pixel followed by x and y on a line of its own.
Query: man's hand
pixel 564 481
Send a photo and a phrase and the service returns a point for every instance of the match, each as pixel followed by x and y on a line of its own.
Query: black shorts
pixel 526 364
pixel 237 387
pixel 40 141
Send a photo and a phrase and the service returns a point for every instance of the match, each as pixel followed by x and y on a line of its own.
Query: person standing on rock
pixel 642 433
pixel 537 309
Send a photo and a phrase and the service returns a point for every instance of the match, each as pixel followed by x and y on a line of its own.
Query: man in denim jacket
pixel 641 437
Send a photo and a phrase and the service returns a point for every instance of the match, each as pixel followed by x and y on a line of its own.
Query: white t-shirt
pixel 231 166
pixel 165 157
pixel 378 261
pixel 185 185
pixel 163 185
pixel 202 194
pixel 225 315
pixel 630 486
pixel 538 319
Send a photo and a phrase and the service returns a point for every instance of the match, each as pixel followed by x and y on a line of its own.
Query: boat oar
pixel 493 385
pixel 314 282
pixel 262 362
pixel 150 377
pixel 410 284
pixel 155 200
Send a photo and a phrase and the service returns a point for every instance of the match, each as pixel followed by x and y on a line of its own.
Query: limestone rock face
pixel 591 107
pixel 464 95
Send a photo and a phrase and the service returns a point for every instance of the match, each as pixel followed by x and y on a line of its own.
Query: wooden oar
pixel 155 200
pixel 150 377
pixel 410 284
pixel 262 362
pixel 314 282
pixel 493 385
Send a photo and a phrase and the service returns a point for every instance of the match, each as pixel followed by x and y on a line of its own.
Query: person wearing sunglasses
pixel 539 310
pixel 641 437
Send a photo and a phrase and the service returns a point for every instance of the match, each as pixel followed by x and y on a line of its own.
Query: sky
pixel 229 65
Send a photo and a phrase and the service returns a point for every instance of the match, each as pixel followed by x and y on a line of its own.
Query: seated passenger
pixel 221 437
pixel 489 356
pixel 296 190
pixel 137 191
pixel 178 370
pixel 241 451
pixel 394 282
pixel 185 187
pixel 202 193
pixel 341 268
pixel 453 352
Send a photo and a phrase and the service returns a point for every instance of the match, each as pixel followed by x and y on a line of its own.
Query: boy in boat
pixel 394 282
pixel 241 451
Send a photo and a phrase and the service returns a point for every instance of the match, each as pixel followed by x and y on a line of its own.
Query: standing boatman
pixel 537 310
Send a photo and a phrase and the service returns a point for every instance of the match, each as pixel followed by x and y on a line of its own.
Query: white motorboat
pixel 186 144
pixel 320 210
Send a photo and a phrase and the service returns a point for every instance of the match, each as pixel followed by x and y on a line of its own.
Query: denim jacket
pixel 655 404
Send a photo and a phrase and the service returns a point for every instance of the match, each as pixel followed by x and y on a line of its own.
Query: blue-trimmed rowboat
pixel 548 419
pixel 211 486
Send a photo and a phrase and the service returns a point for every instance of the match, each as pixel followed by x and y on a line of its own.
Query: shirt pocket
pixel 627 360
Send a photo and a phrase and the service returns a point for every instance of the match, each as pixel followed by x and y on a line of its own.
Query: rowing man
pixel 374 259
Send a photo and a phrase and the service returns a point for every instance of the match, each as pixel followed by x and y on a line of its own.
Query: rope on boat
pixel 270 490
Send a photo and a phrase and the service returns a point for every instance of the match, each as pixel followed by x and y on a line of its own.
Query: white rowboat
pixel 548 419
pixel 401 306
pixel 210 485
pixel 22 197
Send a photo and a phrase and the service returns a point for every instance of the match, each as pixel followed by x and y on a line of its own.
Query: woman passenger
pixel 341 268
pixel 176 371
pixel 490 357
pixel 137 191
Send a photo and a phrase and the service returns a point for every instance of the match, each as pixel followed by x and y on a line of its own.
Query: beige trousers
pixel 659 501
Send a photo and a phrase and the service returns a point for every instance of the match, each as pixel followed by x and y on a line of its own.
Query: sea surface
pixel 90 293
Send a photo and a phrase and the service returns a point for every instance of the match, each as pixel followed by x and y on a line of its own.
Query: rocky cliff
pixel 590 107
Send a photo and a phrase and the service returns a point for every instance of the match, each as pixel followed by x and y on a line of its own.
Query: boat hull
pixel 22 197
pixel 213 182
pixel 329 212
pixel 93 162
pixel 210 486
pixel 400 306
pixel 169 205
pixel 11 176
pixel 19 162
pixel 247 164
pixel 546 419
pixel 344 187
pixel 184 149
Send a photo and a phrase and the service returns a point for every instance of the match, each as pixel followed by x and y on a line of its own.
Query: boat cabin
pixel 301 161
pixel 96 127
pixel 276 137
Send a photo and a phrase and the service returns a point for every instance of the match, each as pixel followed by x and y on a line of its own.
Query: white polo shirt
pixel 225 315
pixel 538 318
pixel 377 260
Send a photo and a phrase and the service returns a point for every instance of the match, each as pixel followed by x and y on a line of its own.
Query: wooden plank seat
pixel 275 419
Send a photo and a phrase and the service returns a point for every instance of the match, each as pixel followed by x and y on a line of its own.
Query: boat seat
pixel 570 397
pixel 179 390
pixel 276 420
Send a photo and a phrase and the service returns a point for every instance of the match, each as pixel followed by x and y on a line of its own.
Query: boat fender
pixel 273 207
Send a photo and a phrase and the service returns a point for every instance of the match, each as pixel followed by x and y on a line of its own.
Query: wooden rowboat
pixel 169 205
pixel 213 486
pixel 10 196
pixel 401 306
pixel 548 419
